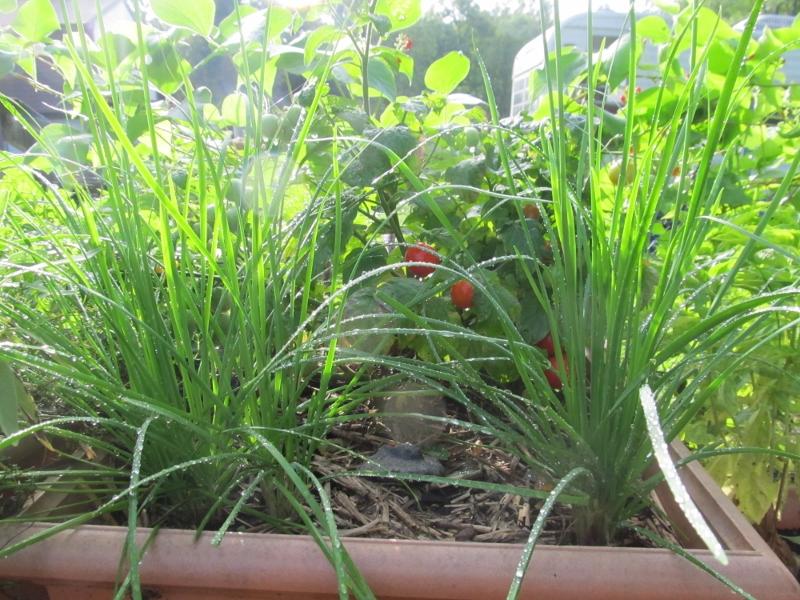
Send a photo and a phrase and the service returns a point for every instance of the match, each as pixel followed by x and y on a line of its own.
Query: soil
pixel 384 508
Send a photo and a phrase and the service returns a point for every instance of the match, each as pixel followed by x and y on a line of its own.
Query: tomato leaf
pixel 381 78
pixel 36 19
pixel 444 74
pixel 401 13
pixel 197 15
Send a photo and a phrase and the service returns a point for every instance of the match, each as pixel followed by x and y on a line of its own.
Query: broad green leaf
pixel 7 6
pixel 9 401
pixel 401 13
pixel 234 109
pixel 668 6
pixel 381 78
pixel 321 35
pixel 616 59
pixel 230 24
pixel 36 20
pixel 197 15
pixel 654 28
pixel 250 26
pixel 446 73
pixel 709 26
pixel 572 63
pixel 382 23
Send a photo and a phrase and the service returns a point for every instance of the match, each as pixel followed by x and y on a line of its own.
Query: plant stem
pixel 389 209
pixel 365 62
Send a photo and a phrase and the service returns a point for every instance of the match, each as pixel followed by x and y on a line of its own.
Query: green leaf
pixel 668 6
pixel 654 28
pixel 197 15
pixel 382 23
pixel 401 13
pixel 36 20
pixel 364 167
pixel 446 73
pixel 615 59
pixel 381 78
pixel 405 290
pixel 321 35
pixel 795 539
pixel 8 60
pixel 7 6
pixel 9 399
pixel 234 109
pixel 249 26
pixel 572 64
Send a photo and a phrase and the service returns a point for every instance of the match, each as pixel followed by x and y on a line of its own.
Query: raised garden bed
pixel 84 563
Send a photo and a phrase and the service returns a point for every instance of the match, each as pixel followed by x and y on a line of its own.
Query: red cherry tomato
pixel 531 211
pixel 623 99
pixel 546 344
pixel 421 253
pixel 552 374
pixel 462 294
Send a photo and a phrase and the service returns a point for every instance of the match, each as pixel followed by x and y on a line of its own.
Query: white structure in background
pixel 607 27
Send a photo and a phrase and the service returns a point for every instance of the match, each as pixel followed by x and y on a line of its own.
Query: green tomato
pixel 232 216
pixel 306 96
pixel 615 170
pixel 269 126
pixel 290 120
pixel 472 137
pixel 179 178
pixel 235 191
pixel 221 320
pixel 221 299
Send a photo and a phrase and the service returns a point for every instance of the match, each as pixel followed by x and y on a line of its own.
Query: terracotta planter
pixel 83 563
pixel 790 511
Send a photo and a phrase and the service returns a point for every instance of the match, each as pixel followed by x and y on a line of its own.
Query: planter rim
pixel 294 566
pixel 248 565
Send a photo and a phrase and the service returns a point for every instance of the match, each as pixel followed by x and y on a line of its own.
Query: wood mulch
pixel 385 508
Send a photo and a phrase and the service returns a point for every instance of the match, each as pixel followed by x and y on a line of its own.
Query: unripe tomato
pixel 462 294
pixel 290 119
pixel 292 116
pixel 235 190
pixel 472 137
pixel 306 96
pixel 546 344
pixel 179 178
pixel 552 374
pixel 269 126
pixel 531 211
pixel 615 170
pixel 421 253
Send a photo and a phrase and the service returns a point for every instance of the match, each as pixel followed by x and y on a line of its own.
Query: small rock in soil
pixel 404 458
